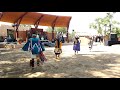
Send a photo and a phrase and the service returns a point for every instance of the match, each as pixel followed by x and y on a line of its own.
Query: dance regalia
pixel 35 46
pixel 58 46
pixel 76 45
pixel 28 45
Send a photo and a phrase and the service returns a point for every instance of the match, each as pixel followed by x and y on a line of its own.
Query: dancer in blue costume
pixel 35 47
pixel 76 46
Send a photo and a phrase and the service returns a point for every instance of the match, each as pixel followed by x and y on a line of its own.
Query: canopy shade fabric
pixel 33 17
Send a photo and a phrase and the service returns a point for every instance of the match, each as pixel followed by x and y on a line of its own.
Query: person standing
pixel 90 43
pixel 35 47
pixel 58 45
pixel 76 45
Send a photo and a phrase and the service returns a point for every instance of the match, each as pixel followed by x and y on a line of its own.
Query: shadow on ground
pixel 16 65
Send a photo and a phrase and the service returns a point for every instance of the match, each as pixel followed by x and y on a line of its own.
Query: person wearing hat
pixel 35 47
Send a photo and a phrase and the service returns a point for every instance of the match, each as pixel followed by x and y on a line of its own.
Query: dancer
pixel 36 48
pixel 90 43
pixel 58 45
pixel 76 45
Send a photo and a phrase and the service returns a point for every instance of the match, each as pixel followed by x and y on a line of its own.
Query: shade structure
pixel 36 19
pixel 33 17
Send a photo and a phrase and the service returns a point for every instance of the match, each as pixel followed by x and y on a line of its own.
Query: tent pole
pixel 38 21
pixel 67 36
pixel 67 31
pixel 52 34
pixel 53 27
pixel 17 22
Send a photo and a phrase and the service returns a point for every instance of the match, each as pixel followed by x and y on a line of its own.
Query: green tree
pixel 57 29
pixel 100 23
pixel 61 29
pixel 25 25
pixel 49 29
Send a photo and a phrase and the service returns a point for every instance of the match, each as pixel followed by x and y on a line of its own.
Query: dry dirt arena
pixel 100 62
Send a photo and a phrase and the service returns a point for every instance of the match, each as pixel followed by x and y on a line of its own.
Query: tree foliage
pixel 25 25
pixel 49 29
pixel 101 23
pixel 57 29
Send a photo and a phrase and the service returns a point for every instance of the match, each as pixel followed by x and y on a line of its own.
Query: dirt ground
pixel 100 62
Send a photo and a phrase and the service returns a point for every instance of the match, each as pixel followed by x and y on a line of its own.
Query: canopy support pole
pixel 38 21
pixel 53 27
pixel 1 15
pixel 17 23
pixel 67 39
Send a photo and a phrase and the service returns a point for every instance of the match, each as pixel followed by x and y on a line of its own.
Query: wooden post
pixel 17 23
pixel 38 21
pixel 52 33
pixel 53 26
pixel 67 31
pixel 67 36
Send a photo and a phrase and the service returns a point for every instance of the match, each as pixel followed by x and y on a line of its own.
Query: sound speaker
pixel 113 37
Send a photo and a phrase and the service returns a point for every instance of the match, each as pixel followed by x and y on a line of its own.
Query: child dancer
pixel 58 46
